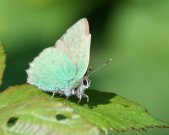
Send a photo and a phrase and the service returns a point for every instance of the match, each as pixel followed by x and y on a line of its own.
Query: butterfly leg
pixel 86 96
pixel 52 95
pixel 61 94
pixel 68 96
pixel 80 97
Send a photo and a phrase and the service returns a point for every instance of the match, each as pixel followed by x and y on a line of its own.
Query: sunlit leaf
pixel 25 110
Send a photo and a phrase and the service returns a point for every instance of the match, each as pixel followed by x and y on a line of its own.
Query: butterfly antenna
pixel 88 70
pixel 107 62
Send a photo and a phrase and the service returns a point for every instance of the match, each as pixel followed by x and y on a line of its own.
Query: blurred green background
pixel 134 33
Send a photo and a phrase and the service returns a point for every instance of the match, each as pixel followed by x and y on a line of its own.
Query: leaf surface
pixel 24 109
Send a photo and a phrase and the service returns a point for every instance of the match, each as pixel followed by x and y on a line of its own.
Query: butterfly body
pixel 61 68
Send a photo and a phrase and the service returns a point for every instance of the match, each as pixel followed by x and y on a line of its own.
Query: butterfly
pixel 63 68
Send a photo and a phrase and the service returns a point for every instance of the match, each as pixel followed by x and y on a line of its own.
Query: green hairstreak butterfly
pixel 61 68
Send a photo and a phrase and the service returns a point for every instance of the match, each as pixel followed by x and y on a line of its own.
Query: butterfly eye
pixel 85 82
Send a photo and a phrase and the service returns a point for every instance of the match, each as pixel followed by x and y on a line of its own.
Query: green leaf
pixel 2 61
pixel 24 109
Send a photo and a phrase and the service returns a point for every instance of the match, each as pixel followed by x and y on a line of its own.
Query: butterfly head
pixel 85 82
pixel 83 85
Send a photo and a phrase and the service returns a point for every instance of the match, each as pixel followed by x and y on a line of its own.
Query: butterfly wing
pixel 75 43
pixel 51 70
pixel 62 66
